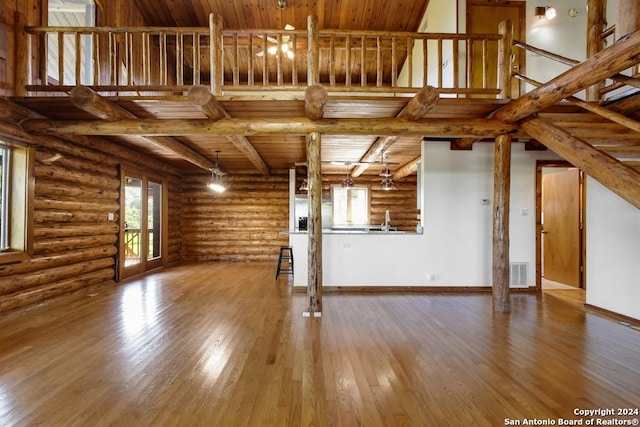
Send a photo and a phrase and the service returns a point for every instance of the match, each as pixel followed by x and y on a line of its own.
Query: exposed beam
pixel 315 98
pixel 458 127
pixel 206 103
pixel 622 55
pixel 407 169
pixel 415 109
pixel 88 100
pixel 597 109
pixel 618 177
pixel 11 112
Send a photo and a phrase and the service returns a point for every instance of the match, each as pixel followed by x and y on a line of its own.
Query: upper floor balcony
pixel 170 60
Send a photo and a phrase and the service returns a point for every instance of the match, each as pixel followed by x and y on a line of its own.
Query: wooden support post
pixel 501 189
pixel 22 55
pixel 628 18
pixel 618 177
pixel 216 53
pixel 505 29
pixel 595 43
pixel 313 51
pixel 314 224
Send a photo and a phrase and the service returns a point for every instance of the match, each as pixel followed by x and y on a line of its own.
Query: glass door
pixel 141 240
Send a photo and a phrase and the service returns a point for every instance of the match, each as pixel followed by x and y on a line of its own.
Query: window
pixel 350 206
pixel 15 196
pixel 70 13
pixel 4 198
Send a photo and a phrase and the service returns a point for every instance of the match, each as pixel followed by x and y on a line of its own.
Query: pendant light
pixel 386 183
pixel 348 182
pixel 215 183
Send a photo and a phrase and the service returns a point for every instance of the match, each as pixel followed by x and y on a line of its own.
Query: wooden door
pixel 561 217
pixel 483 18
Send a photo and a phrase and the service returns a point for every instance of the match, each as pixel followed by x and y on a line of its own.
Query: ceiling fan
pixel 285 46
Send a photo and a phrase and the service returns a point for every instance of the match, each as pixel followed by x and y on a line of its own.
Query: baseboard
pixel 613 315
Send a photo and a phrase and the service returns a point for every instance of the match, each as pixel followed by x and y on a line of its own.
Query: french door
pixel 143 224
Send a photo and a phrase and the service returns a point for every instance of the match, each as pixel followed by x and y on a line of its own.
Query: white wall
pixel 458 227
pixel 613 252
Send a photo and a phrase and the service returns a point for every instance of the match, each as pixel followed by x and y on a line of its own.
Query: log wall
pixel 245 223
pixel 74 242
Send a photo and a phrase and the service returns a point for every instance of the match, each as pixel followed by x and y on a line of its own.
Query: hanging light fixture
pixel 215 183
pixel 348 182
pixel 386 183
pixel 304 186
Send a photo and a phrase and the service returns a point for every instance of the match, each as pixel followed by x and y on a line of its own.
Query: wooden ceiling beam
pixel 202 98
pixel 315 98
pixel 407 169
pixel 436 127
pixel 88 100
pixel 618 177
pixel 415 109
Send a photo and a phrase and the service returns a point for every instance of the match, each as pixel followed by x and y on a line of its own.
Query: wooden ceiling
pixel 374 15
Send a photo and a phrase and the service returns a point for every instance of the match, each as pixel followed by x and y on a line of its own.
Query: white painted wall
pixel 455 247
pixel 613 252
pixel 458 227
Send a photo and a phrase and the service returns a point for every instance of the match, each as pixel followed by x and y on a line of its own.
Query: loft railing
pixel 159 59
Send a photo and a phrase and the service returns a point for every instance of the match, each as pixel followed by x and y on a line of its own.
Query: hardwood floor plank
pixel 222 344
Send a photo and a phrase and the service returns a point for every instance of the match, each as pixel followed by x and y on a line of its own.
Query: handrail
pixel 148 60
pixel 618 80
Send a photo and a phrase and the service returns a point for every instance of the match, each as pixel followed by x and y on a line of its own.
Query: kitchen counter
pixel 359 258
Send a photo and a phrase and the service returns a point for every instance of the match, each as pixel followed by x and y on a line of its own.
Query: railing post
pixel 505 47
pixel 628 18
pixel 595 42
pixel 23 55
pixel 313 51
pixel 215 54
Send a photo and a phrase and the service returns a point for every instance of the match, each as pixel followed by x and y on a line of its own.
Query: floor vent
pixel 518 275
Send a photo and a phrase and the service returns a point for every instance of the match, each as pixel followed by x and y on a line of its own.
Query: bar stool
pixel 286 254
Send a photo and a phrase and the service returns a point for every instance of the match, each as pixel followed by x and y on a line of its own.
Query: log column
pixel 505 29
pixel 628 21
pixel 314 226
pixel 595 42
pixel 314 175
pixel 501 188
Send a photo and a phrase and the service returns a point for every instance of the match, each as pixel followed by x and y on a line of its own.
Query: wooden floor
pixel 226 345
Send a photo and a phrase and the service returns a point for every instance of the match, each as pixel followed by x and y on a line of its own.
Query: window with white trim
pixel 4 198
pixel 16 195
pixel 350 206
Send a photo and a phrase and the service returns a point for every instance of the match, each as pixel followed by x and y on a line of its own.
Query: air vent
pixel 518 274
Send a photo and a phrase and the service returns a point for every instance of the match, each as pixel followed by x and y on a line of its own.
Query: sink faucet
pixel 387 219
